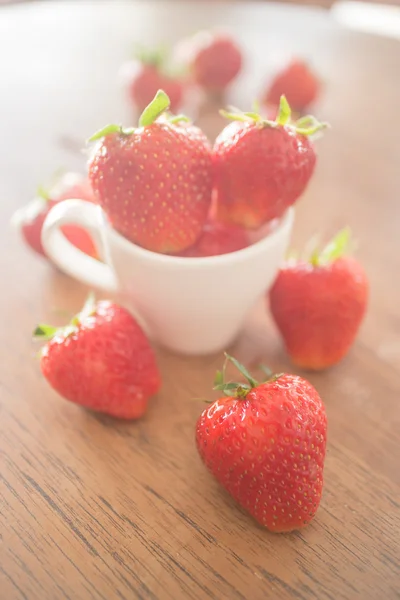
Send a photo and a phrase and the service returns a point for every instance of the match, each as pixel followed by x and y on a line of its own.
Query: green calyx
pixel 47 332
pixel 157 107
pixel 236 389
pixel 340 245
pixel 307 125
pixel 336 248
pixel 155 57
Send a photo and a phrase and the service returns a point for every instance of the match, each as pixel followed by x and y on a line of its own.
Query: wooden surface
pixel 96 509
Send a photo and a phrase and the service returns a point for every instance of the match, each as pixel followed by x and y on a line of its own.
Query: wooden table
pixel 97 509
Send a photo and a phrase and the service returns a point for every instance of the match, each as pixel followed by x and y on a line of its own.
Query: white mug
pixel 190 305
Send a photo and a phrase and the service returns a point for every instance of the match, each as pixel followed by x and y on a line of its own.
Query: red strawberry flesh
pixel 268 450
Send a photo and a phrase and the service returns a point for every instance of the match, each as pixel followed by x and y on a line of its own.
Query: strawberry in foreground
pixel 215 60
pixel 262 167
pixel 154 182
pixel 265 443
pixel 218 238
pixel 147 74
pixel 318 304
pixel 30 219
pixel 298 83
pixel 102 360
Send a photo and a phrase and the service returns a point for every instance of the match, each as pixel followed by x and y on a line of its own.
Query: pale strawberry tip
pixel 307 125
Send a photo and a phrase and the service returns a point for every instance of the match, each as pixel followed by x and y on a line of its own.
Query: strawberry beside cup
pixel 265 443
pixel 101 360
pixel 318 304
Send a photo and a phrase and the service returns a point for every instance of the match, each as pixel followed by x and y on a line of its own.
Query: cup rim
pixel 260 246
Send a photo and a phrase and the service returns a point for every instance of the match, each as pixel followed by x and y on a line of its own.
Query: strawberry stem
pixel 236 389
pixel 284 112
pixel 242 369
pixel 307 126
pixel 336 248
pixel 157 106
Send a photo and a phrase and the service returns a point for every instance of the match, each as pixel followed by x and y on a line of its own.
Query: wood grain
pixel 96 509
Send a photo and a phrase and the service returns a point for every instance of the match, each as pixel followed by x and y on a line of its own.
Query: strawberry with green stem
pixel 318 303
pixel 101 360
pixel 29 219
pixel 155 181
pixel 265 443
pixel 215 60
pixel 149 72
pixel 298 83
pixel 262 167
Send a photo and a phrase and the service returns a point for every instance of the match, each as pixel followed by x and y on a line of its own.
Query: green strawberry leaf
pixel 336 248
pixel 266 371
pixel 219 378
pixel 307 126
pixel 43 193
pixel 179 119
pixel 284 112
pixel 105 131
pixel 157 106
pixel 45 332
pixel 232 385
pixel 242 369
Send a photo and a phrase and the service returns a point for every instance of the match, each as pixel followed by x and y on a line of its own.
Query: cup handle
pixel 67 257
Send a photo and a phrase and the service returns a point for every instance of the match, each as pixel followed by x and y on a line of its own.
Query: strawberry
pixel 215 59
pixel 30 219
pixel 216 239
pixel 148 73
pixel 298 83
pixel 154 182
pixel 102 360
pixel 318 305
pixel 262 167
pixel 265 444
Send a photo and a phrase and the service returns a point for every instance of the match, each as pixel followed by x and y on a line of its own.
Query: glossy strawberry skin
pixel 319 310
pixel 297 82
pixel 155 185
pixel 268 450
pixel 145 83
pixel 107 365
pixel 217 63
pixel 31 227
pixel 217 239
pixel 260 171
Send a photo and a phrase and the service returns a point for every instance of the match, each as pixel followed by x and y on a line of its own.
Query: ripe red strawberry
pixel 147 74
pixel 215 59
pixel 216 239
pixel 145 83
pixel 102 360
pixel 265 443
pixel 262 167
pixel 298 83
pixel 318 305
pixel 30 219
pixel 154 182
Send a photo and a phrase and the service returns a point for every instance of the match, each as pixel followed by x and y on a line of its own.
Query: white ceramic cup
pixel 189 305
